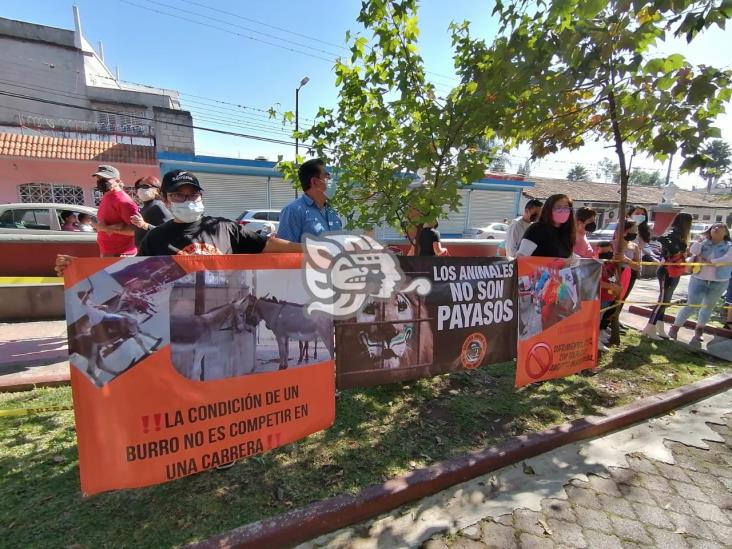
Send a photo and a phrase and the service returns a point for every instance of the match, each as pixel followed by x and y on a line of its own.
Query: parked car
pixel 256 220
pixel 31 237
pixel 37 218
pixel 492 230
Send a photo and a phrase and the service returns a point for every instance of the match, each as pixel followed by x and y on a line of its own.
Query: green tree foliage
pixel 719 162
pixel 525 168
pixel 578 173
pixel 584 69
pixel 608 171
pixel 644 178
pixel 390 122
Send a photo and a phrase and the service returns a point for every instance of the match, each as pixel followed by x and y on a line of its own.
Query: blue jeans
pixel 701 292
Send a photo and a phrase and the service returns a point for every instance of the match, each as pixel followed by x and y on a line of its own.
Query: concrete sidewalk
pixel 33 353
pixel 665 482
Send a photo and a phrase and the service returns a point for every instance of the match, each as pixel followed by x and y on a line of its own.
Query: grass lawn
pixel 379 433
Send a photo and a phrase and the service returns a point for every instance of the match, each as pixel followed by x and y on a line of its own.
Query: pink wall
pixel 15 170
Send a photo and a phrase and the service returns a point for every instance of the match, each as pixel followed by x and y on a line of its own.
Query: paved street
pixel 661 483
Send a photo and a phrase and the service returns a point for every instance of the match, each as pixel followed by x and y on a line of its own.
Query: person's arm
pixel 290 227
pixel 438 249
pixel 526 248
pixel 62 263
pixel 512 242
pixel 276 245
pixel 726 258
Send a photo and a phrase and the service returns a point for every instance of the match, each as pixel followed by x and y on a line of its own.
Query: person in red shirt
pixel 115 232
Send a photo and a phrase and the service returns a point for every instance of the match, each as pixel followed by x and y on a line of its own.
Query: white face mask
pixel 638 219
pixel 187 212
pixel 146 194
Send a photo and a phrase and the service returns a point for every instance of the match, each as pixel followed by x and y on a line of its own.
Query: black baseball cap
pixel 178 178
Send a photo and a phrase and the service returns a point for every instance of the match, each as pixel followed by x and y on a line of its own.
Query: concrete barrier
pixel 31 302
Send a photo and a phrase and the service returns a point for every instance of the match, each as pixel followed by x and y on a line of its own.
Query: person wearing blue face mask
pixel 311 213
pixel 192 233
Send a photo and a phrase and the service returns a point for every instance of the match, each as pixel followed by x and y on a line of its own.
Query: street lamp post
pixel 297 113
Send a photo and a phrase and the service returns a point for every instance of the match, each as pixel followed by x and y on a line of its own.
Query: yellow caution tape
pixel 33 411
pixel 25 280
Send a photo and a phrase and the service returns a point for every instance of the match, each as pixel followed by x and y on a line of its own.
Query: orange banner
pixel 559 314
pixel 182 364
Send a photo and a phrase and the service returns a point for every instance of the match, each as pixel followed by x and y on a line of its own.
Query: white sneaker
pixel 650 332
pixel 661 330
pixel 601 346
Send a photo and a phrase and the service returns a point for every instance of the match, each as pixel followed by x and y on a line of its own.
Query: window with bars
pixel 122 122
pixel 51 193
pixel 129 190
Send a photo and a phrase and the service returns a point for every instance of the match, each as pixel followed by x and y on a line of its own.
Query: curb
pixel 325 516
pixel 713 330
pixel 47 380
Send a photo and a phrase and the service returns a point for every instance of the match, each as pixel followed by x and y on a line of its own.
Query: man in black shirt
pixel 429 241
pixel 192 233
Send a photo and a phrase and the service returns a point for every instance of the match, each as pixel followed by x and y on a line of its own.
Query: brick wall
pixel 169 135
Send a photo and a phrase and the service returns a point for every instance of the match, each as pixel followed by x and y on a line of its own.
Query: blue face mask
pixel 330 189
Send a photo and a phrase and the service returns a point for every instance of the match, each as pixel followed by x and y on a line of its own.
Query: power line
pixel 133 117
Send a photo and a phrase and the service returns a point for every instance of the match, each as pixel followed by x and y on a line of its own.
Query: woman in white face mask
pixel 153 211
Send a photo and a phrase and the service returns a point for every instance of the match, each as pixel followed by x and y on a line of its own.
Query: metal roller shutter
pixel 491 206
pixel 228 195
pixel 281 193
pixel 452 226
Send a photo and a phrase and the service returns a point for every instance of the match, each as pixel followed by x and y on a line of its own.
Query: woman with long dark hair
pixel 153 211
pixel 673 250
pixel 707 285
pixel 585 222
pixel 553 235
pixel 639 215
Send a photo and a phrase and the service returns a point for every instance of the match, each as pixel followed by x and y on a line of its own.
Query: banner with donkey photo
pixel 559 315
pixel 464 318
pixel 181 364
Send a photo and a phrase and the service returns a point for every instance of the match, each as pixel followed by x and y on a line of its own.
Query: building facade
pixel 63 112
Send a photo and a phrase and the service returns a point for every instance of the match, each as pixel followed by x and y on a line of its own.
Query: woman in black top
pixel 153 211
pixel 673 249
pixel 553 234
pixel 429 241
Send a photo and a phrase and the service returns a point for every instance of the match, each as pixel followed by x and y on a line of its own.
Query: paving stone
pixel 472 532
pixel 655 483
pixel 696 543
pixel 604 485
pixel 583 496
pixel 673 502
pixel 721 532
pixel 631 545
pixel 630 530
pixel 689 491
pixel 566 534
pixel 617 506
pixel 437 543
pixel 594 519
pixel 498 535
pixel 639 462
pixel 465 543
pixel 692 526
pixel 683 459
pixel 529 541
pixel 506 520
pixel 652 514
pixel 622 475
pixel 558 509
pixel 528 521
pixel 672 472
pixel 667 539
pixel 709 512
pixel 703 480
pixel 598 540
pixel 637 493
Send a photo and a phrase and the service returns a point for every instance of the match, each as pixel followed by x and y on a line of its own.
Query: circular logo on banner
pixel 539 360
pixel 474 349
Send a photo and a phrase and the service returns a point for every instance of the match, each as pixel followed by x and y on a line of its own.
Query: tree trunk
pixel 618 138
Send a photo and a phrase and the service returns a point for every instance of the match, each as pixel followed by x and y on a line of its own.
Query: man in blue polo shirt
pixel 311 213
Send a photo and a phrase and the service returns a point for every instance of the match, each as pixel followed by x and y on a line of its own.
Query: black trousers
pixel 667 285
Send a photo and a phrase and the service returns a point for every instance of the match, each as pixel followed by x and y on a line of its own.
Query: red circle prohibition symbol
pixel 541 355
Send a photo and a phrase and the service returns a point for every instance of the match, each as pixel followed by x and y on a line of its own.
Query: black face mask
pixel 606 255
pixel 591 227
pixel 630 237
pixel 533 218
pixel 102 185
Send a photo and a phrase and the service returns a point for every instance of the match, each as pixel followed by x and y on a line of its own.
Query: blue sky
pixel 218 58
